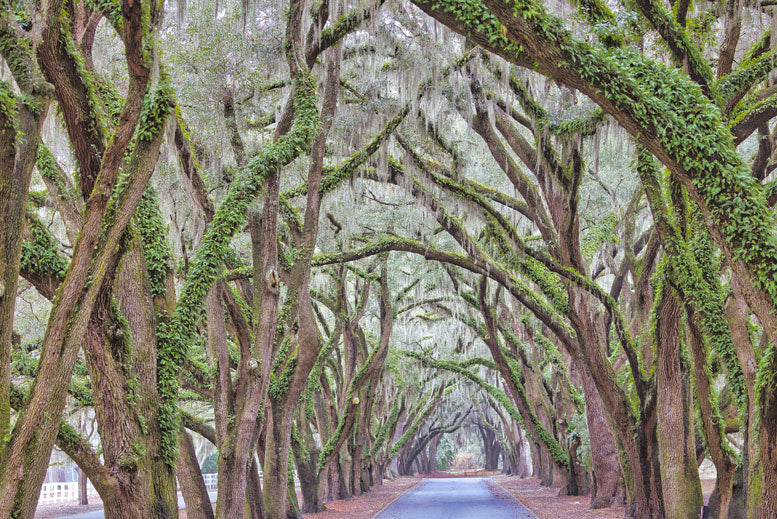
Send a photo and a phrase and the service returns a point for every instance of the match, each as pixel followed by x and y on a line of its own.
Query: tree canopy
pixel 329 239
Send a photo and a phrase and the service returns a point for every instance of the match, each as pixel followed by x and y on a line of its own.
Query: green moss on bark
pixel 175 336
pixel 153 234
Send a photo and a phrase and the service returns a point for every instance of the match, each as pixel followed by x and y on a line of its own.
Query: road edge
pixel 408 489
pixel 497 483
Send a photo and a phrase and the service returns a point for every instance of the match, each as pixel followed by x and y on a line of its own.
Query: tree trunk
pixel 433 445
pixel 768 455
pixel 737 313
pixel 680 483
pixel 524 455
pixel 306 455
pixel 254 491
pixel 15 178
pixel 604 449
pixel 312 496
pixel 343 486
pixel 491 446
pixel 195 494
pixel 83 498
pixel 640 465
pixel 232 483
pixel 18 148
pixel 276 458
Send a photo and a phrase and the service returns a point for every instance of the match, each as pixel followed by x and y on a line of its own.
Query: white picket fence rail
pixel 63 492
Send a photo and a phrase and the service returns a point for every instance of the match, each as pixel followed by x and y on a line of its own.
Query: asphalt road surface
pixel 456 498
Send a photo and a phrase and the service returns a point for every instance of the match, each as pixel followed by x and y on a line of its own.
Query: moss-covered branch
pixel 431 402
pixel 175 337
pixel 684 51
pixel 667 112
pixel 333 177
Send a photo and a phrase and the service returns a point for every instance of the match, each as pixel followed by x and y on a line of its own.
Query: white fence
pixel 211 481
pixel 63 493
pixel 68 492
pixel 52 493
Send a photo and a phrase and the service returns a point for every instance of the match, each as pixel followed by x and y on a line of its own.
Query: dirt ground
pixel 367 505
pixel 546 503
pixel 59 510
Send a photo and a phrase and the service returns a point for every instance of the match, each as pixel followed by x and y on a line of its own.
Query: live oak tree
pixel 310 233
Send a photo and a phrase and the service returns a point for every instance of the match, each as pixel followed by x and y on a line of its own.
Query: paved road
pixel 456 498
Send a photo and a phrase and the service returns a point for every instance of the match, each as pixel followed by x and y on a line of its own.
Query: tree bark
pixel 276 459
pixel 604 449
pixel 83 497
pixel 195 494
pixel 736 314
pixel 16 163
pixel 680 485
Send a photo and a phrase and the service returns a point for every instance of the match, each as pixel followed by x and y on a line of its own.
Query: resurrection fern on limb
pixel 707 303
pixel 663 108
pixel 175 336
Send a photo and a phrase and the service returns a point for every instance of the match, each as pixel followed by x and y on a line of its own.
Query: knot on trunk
pixel 272 282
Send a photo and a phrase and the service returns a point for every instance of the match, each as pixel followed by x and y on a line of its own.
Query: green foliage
pixel 477 18
pixel 354 389
pixel 752 107
pixel 48 169
pixel 111 9
pixel 701 28
pixel 382 437
pixel 430 403
pixel 445 454
pixel 18 53
pixel 685 53
pixel 279 385
pixel 599 234
pixel 692 269
pixel 750 71
pixel 37 199
pixel 97 120
pixel 211 464
pixel 41 254
pixel 673 108
pixel 345 24
pixel 8 107
pixel 158 105
pixel 559 455
pixel 577 429
pixel 153 233
pixel 110 97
